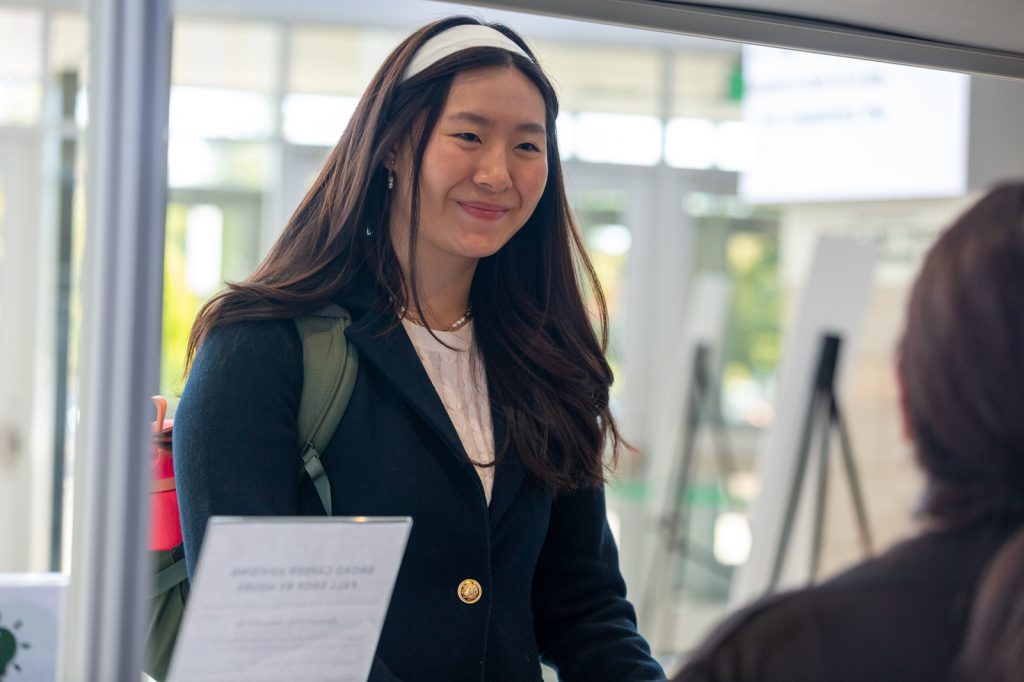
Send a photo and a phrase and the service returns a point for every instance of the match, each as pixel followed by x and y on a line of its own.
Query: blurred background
pixel 687 159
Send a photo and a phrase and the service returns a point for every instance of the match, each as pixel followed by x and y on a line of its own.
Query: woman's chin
pixel 481 248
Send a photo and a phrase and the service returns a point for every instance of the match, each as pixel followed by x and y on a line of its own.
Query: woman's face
pixel 484 170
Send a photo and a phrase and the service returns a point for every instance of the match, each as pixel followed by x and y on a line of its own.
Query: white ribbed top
pixel 459 379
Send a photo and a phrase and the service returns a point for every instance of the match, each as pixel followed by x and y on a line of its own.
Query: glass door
pixel 612 209
pixel 24 487
pixel 612 206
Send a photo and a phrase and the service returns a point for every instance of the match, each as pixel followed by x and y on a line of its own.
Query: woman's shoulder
pixel 257 346
pixel 252 336
pixel 242 371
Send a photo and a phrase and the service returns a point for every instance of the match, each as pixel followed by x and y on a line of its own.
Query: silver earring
pixel 391 179
pixel 369 231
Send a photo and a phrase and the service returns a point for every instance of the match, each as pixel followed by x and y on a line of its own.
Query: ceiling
pixel 991 24
pixel 974 36
pixel 409 15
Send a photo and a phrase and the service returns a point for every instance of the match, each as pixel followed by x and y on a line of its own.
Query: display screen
pixel 832 128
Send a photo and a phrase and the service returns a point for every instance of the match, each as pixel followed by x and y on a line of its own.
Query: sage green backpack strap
pixel 329 368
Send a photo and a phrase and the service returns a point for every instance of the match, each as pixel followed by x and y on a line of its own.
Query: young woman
pixel 481 404
pixel 948 604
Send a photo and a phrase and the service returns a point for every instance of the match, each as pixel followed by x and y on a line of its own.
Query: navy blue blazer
pixel 548 567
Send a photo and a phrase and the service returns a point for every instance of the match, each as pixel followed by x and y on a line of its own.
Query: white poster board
pixel 704 325
pixel 706 315
pixel 289 598
pixel 833 301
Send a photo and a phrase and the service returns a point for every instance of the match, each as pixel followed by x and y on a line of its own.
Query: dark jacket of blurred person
pixel 948 604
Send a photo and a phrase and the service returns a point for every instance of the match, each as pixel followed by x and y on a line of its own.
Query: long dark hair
pixel 962 368
pixel 545 364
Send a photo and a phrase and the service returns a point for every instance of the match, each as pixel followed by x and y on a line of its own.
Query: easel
pixel 675 522
pixel 823 414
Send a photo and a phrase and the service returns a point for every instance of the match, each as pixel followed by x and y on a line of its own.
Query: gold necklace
pixel 454 326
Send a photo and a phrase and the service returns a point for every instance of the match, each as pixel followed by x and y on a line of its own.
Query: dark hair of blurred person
pixel 949 603
pixel 962 371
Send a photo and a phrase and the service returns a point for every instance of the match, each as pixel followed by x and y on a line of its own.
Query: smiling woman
pixel 484 170
pixel 480 408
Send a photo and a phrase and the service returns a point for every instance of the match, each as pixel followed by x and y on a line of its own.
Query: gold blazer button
pixel 470 591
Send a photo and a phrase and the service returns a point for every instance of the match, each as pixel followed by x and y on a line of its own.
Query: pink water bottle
pixel 164 522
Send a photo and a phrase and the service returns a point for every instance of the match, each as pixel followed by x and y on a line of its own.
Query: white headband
pixel 455 39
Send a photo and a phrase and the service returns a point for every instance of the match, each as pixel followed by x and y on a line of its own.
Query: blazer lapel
pixel 509 475
pixel 391 352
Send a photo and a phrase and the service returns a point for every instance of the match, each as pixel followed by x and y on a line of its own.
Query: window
pixel 21 66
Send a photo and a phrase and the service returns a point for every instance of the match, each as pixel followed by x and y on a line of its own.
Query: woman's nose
pixel 492 171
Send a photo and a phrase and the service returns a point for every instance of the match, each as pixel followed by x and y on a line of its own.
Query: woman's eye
pixel 468 137
pixel 529 146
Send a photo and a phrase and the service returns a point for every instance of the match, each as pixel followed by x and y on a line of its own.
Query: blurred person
pixel 480 409
pixel 949 603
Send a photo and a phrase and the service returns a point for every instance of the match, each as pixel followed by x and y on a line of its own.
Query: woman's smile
pixel 483 210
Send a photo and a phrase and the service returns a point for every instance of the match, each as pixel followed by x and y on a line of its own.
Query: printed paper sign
pixel 289 598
